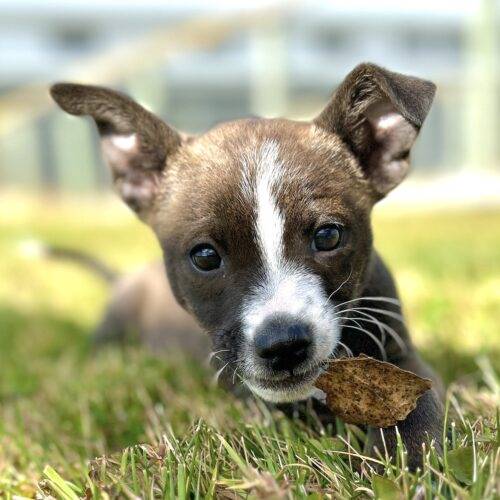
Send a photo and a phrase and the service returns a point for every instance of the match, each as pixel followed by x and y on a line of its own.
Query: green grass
pixel 162 430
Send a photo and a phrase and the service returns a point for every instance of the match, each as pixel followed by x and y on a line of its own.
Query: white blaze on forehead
pixel 269 221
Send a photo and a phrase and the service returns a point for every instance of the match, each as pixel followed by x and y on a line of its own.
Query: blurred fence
pixel 280 61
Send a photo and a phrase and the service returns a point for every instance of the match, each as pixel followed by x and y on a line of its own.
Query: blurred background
pixel 199 62
pixel 196 63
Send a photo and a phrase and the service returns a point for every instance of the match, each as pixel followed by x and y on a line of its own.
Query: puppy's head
pixel 265 224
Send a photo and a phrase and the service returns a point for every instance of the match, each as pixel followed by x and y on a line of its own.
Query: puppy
pixel 265 230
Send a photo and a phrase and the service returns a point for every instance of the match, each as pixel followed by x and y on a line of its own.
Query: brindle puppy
pixel 265 229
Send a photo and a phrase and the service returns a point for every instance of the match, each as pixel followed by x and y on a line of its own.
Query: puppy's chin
pixel 285 395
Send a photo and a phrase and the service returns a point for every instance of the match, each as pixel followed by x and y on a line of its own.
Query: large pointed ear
pixel 378 113
pixel 135 142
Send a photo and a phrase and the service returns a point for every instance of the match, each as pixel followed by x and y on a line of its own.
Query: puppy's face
pixel 266 219
pixel 265 224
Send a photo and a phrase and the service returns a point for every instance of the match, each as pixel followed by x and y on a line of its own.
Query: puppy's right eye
pixel 205 257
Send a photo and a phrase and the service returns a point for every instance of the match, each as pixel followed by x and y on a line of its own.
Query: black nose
pixel 283 342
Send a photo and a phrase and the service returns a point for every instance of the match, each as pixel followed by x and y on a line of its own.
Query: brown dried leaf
pixel 366 391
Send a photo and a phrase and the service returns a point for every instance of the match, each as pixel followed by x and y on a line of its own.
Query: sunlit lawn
pixel 63 404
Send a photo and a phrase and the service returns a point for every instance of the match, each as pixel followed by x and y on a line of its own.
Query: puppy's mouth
pixel 285 388
pixel 289 387
pixel 288 380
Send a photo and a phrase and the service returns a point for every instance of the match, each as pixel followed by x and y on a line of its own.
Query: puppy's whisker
pixel 389 300
pixel 237 374
pixel 214 353
pixel 354 320
pixel 346 349
pixel 215 379
pixel 383 338
pixel 385 312
pixel 373 337
pixel 383 326
pixel 339 287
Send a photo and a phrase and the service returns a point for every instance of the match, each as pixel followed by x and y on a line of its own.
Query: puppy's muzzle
pixel 283 343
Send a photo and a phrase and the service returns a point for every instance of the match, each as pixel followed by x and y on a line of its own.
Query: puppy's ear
pixel 378 113
pixel 135 142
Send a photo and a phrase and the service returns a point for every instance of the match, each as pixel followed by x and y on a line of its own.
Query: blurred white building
pixel 273 59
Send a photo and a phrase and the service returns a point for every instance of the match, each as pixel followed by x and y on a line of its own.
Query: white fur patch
pixel 297 293
pixel 270 223
pixel 389 120
pixel 285 288
pixel 124 142
pixel 278 396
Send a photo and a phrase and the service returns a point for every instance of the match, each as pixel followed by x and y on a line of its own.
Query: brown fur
pixel 142 305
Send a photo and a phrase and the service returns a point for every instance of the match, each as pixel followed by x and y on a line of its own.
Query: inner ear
pixel 120 152
pixel 136 184
pixel 387 162
pixel 378 114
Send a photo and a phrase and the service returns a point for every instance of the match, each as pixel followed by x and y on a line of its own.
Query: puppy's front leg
pixel 423 424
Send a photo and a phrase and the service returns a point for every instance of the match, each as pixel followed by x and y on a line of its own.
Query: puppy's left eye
pixel 327 238
pixel 205 257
